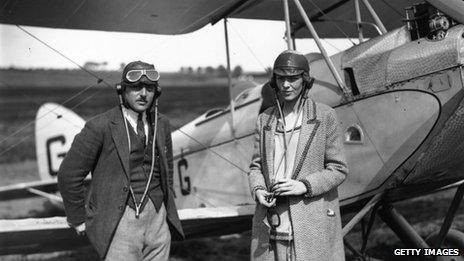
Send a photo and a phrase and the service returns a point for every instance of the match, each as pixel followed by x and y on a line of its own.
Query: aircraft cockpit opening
pixel 354 135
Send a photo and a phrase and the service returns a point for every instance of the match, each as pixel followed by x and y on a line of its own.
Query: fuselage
pixel 401 124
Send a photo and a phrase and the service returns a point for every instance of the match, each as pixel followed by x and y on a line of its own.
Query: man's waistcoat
pixel 139 167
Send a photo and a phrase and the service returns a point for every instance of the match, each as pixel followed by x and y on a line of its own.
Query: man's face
pixel 139 97
pixel 289 86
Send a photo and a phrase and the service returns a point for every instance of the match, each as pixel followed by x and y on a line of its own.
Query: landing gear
pixel 454 239
pixel 445 238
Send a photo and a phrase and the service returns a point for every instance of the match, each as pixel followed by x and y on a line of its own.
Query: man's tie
pixel 140 129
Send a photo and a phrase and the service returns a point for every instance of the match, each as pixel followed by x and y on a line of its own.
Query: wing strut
pixel 229 80
pixel 46 195
pixel 369 205
pixel 358 21
pixel 321 48
pixel 287 27
pixel 375 16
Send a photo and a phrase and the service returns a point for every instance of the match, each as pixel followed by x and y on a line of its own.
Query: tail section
pixel 55 128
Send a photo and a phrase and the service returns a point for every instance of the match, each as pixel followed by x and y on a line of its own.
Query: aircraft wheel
pixel 454 239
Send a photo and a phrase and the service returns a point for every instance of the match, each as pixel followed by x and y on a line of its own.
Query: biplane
pixel 398 94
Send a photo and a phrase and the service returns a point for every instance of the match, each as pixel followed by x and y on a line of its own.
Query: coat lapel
pixel 269 142
pixel 160 142
pixel 309 126
pixel 119 134
pixel 161 146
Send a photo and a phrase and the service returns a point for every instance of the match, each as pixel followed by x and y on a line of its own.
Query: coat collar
pixel 310 124
pixel 269 142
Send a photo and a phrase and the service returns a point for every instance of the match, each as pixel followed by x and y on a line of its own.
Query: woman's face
pixel 290 87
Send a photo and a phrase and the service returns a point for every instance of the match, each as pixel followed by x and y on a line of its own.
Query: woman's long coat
pixel 321 164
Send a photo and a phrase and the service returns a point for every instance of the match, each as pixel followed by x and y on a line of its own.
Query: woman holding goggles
pixel 296 168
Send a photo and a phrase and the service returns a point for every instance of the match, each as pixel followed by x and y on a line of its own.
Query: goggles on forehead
pixel 135 75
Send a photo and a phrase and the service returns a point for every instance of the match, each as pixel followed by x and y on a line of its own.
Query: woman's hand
pixel 288 187
pixel 262 195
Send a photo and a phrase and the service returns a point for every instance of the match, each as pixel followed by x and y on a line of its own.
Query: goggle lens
pixel 152 75
pixel 135 75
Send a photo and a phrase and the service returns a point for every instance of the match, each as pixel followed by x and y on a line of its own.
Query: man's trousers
pixel 144 238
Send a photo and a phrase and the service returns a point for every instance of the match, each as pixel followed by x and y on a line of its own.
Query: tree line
pixel 219 71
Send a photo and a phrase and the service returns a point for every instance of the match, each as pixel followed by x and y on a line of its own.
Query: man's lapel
pixel 119 134
pixel 161 145
pixel 160 142
pixel 309 126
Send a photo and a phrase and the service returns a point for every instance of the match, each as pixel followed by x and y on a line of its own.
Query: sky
pixel 253 45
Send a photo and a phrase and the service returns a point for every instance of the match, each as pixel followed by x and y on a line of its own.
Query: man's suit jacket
pixel 102 149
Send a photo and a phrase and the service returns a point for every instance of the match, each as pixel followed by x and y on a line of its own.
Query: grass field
pixel 181 104
pixel 19 105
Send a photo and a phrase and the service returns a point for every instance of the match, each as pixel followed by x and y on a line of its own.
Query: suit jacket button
pixel 125 189
pixel 330 212
pixel 120 207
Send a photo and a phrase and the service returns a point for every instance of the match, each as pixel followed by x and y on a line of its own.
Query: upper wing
pixel 184 16
pixel 331 18
pixel 142 16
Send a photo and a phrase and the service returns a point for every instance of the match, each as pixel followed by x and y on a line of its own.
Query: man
pixel 296 168
pixel 129 212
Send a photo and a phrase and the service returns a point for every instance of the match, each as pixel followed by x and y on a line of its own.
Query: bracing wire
pixel 391 7
pixel 100 80
pixel 51 111
pixel 64 56
pixel 331 20
pixel 14 145
pixel 86 99
pixel 33 121
pixel 248 47
pixel 329 43
pixel 212 151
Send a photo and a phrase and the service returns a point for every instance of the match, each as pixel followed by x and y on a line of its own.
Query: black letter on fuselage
pixel 50 141
pixel 180 163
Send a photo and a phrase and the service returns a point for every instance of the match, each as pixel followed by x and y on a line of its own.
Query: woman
pixel 296 168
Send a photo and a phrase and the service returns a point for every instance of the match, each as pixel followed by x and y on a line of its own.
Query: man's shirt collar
pixel 131 116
